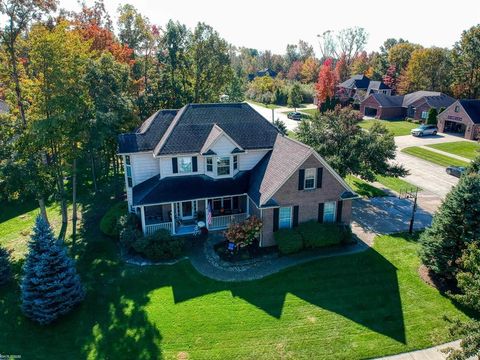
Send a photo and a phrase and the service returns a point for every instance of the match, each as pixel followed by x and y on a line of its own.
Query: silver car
pixel 423 130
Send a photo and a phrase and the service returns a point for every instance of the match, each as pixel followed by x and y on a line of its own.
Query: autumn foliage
pixel 325 86
pixel 243 234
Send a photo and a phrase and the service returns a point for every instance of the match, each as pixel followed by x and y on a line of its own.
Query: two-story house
pixel 222 163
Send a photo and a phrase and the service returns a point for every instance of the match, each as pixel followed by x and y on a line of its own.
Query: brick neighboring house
pixel 225 162
pixel 415 105
pixel 358 87
pixel 462 117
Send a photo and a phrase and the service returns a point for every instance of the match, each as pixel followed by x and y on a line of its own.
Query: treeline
pixel 72 85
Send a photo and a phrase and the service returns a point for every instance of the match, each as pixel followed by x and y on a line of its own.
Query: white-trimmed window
pixel 185 164
pixel 457 108
pixel 424 114
pixel 329 211
pixel 310 175
pixel 223 165
pixel 235 162
pixel 209 164
pixel 285 218
pixel 128 169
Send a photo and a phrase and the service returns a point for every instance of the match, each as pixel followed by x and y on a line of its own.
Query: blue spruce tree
pixel 5 269
pixel 50 286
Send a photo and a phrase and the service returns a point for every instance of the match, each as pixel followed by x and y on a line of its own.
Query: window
pixel 235 162
pixel 285 218
pixel 185 164
pixel 209 164
pixel 128 170
pixel 457 108
pixel 217 204
pixel 329 212
pixel 223 166
pixel 227 203
pixel 424 114
pixel 309 179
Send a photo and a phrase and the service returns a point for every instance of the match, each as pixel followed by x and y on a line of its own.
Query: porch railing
pixel 219 222
pixel 150 229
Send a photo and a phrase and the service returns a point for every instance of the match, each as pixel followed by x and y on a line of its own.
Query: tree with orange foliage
pixel 325 86
pixel 309 70
pixel 341 69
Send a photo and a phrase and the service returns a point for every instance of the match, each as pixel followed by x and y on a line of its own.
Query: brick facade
pixel 307 200
pixel 472 130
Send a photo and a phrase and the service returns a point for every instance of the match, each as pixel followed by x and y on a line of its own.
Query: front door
pixel 186 210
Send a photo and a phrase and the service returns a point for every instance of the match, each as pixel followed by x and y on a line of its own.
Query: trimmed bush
pixel 317 235
pixel 109 223
pixel 129 230
pixel 159 246
pixel 289 241
pixel 5 268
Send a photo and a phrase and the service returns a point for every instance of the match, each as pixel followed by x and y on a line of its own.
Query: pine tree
pixel 51 286
pixel 5 269
pixel 432 116
pixel 454 227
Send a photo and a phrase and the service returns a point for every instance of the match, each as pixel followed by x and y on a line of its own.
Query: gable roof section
pixel 443 100
pixel 276 167
pixel 377 85
pixel 388 100
pixel 356 81
pixel 409 99
pixel 472 108
pixel 216 133
pixel 192 126
pixel 148 134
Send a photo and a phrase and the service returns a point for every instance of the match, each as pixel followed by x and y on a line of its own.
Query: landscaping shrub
pixel 129 230
pixel 317 235
pixel 109 223
pixel 5 268
pixel 159 245
pixel 289 241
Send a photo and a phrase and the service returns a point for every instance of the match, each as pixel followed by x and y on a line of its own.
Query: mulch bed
pixel 441 284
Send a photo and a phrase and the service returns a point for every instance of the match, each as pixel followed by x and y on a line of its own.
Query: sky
pixel 270 24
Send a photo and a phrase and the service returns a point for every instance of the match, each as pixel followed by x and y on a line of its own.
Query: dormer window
pixel 223 165
pixel 209 164
pixel 235 162
pixel 185 164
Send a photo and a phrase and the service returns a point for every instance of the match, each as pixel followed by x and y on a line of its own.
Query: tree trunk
pixel 74 201
pixel 16 80
pixel 94 176
pixel 63 205
pixel 43 209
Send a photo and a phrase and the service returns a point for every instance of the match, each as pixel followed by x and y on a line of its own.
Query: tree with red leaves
pixel 390 78
pixel 295 70
pixel 325 86
pixel 341 69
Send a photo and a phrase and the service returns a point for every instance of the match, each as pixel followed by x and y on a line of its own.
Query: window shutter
pixel 295 216
pixel 194 164
pixel 319 177
pixel 339 211
pixel 301 179
pixel 175 165
pixel 276 213
pixel 320 212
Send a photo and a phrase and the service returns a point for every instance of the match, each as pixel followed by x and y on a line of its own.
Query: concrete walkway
pixel 433 353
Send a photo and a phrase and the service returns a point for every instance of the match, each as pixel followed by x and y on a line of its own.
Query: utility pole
pixel 273 115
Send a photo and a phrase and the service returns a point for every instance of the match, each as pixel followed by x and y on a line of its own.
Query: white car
pixel 424 130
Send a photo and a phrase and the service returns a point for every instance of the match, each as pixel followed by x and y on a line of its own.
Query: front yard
pixel 465 149
pixel 364 305
pixel 396 127
pixel 434 157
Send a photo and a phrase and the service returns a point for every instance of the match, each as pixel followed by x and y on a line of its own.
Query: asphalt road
pixel 279 113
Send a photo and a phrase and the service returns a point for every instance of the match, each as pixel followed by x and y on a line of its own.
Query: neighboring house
pixel 462 117
pixel 4 108
pixel 228 159
pixel 415 105
pixel 260 73
pixel 358 87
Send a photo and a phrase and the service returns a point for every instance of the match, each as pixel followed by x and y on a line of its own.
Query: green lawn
pixel 397 127
pixel 433 157
pixel 363 188
pixel 359 306
pixel 268 106
pixel 465 149
pixel 310 112
pixel 395 183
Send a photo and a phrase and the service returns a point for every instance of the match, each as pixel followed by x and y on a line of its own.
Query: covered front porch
pixel 181 217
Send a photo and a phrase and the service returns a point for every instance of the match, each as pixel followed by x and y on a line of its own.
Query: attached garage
pixel 370 111
pixel 463 118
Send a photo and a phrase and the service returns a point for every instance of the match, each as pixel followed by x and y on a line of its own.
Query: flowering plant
pixel 243 234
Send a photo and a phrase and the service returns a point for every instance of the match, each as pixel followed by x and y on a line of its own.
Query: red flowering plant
pixel 243 234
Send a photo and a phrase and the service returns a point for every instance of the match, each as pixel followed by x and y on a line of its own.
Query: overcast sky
pixel 271 24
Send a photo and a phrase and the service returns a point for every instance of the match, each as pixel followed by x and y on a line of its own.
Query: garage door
pixel 369 111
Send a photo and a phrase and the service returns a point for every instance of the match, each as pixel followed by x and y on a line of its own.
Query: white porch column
pixel 248 204
pixel 173 218
pixel 142 213
pixel 206 213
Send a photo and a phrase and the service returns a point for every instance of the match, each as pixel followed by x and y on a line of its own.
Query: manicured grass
pixel 292 134
pixel 364 305
pixel 268 106
pixel 363 188
pixel 395 183
pixel 465 149
pixel 397 127
pixel 310 112
pixel 433 157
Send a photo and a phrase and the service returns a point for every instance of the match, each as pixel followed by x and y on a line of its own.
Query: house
pixel 462 117
pixel 358 87
pixel 225 162
pixel 415 105
pixel 260 73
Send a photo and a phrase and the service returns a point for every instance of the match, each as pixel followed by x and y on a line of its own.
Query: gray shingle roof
pixel 377 85
pixel 4 108
pixel 387 100
pixel 472 108
pixel 433 98
pixel 356 81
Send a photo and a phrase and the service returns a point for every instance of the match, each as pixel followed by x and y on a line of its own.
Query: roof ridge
pixel 167 134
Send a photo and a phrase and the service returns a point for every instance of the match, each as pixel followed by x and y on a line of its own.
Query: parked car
pixel 294 115
pixel 456 171
pixel 424 130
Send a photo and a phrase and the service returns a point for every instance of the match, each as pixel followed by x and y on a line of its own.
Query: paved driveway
pixel 279 113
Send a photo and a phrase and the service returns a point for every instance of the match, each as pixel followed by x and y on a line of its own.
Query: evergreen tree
pixel 51 286
pixel 432 116
pixel 281 126
pixel 454 227
pixel 5 269
pixel 295 97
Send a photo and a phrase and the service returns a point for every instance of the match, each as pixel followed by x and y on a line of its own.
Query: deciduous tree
pixel 325 86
